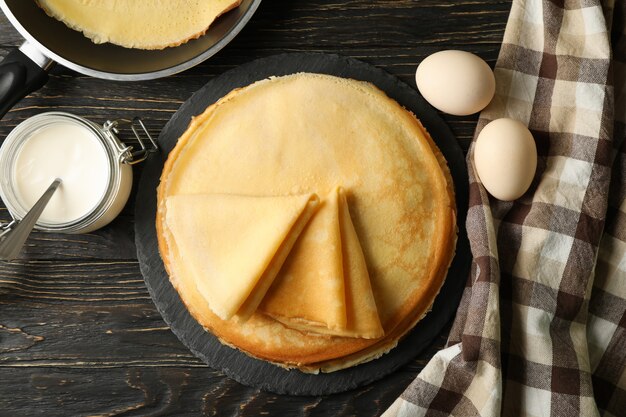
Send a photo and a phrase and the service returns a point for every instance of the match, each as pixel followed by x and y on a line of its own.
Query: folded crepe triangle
pixel 324 285
pixel 363 318
pixel 310 289
pixel 235 245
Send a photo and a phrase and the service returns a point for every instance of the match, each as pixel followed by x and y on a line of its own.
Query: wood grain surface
pixel 79 335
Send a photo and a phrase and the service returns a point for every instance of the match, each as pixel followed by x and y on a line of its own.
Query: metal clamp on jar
pixel 94 166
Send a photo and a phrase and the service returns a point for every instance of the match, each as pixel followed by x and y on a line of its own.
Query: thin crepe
pixel 325 278
pixel 142 24
pixel 363 319
pixel 310 290
pixel 235 244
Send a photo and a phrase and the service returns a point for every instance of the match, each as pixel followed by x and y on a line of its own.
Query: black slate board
pixel 232 362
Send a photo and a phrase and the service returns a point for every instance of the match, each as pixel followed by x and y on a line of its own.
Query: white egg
pixel 505 157
pixel 456 82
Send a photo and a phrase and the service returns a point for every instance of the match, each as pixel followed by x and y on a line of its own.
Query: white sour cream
pixel 67 151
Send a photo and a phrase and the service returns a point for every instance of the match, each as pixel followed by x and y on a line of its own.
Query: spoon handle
pixel 13 241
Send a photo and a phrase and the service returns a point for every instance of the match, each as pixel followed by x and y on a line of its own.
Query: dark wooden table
pixel 79 335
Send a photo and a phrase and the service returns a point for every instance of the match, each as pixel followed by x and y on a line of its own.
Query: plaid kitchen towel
pixel 541 329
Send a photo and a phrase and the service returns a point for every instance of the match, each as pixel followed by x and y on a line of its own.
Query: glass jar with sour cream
pixel 91 161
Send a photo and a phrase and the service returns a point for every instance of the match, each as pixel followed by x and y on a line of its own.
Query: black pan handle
pixel 19 76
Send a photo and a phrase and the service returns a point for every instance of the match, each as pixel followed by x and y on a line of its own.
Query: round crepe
pixel 142 24
pixel 309 133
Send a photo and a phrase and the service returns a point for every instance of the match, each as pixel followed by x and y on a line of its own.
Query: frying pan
pixel 25 70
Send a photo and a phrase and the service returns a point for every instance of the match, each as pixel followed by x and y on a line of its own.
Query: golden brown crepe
pixel 363 320
pixel 310 291
pixel 325 275
pixel 143 24
pixel 232 243
pixel 308 133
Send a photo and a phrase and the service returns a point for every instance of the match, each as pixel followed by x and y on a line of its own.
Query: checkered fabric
pixel 541 328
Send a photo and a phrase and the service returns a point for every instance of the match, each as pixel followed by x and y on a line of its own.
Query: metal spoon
pixel 13 241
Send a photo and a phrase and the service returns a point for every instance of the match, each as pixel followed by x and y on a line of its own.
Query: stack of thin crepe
pixel 267 250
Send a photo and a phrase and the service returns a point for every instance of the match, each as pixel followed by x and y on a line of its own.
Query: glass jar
pixel 119 177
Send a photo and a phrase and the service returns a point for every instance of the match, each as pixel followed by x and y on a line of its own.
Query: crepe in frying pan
pixel 306 133
pixel 235 244
pixel 142 24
